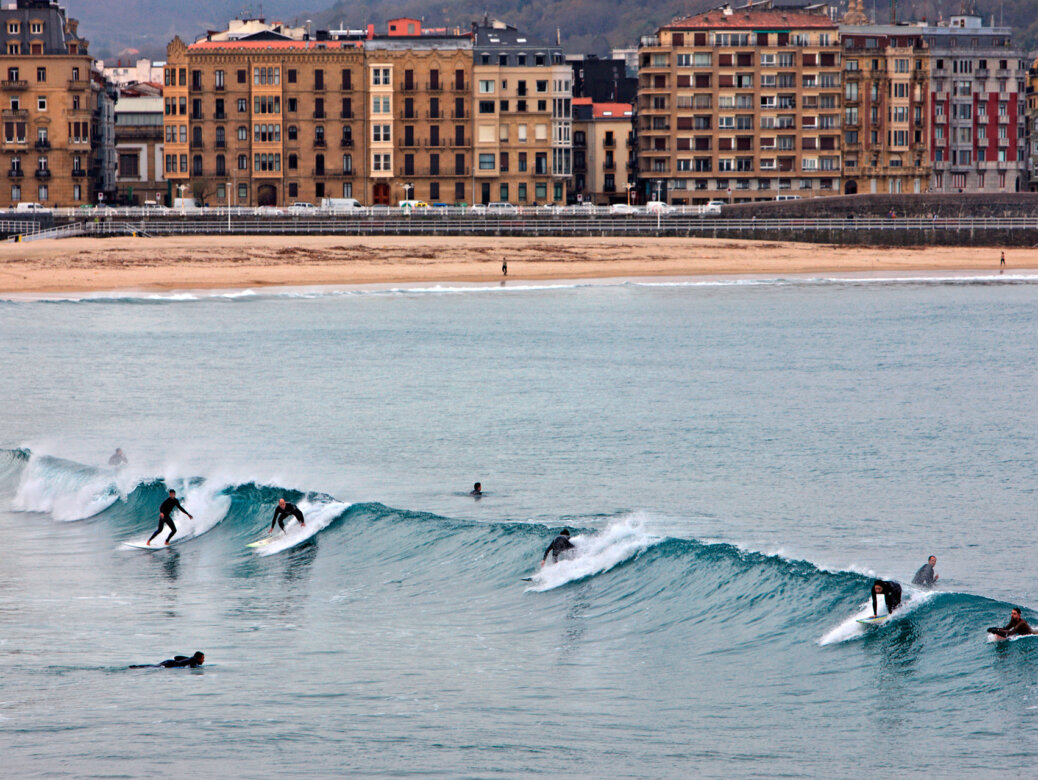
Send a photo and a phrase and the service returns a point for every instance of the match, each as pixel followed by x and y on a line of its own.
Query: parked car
pixel 478 208
pixel 500 207
pixel 302 208
pixel 658 207
pixel 413 204
pixel 623 208
pixel 713 208
pixel 268 211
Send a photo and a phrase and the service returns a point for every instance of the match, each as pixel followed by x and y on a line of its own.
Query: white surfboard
pixel 265 541
pixel 158 544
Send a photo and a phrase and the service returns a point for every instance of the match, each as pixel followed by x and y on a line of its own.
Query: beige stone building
pixel 740 104
pixel 886 111
pixel 522 118
pixel 50 105
pixel 603 137
pixel 139 149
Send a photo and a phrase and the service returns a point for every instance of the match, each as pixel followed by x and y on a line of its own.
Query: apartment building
pixel 418 84
pixel 138 147
pixel 886 113
pixel 740 105
pixel 978 108
pixel 603 138
pixel 51 105
pixel 522 117
pixel 1031 132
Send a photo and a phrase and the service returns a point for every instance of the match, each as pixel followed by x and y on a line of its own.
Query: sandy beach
pixel 87 264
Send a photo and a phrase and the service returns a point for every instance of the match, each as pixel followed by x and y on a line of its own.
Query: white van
pixel 31 207
pixel 339 204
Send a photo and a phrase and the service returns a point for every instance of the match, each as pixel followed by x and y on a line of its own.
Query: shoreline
pixel 234 263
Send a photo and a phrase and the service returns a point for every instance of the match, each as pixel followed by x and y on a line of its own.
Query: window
pixel 486 106
pixel 41 103
pixel 380 77
pixel 41 74
pixel 486 86
pixel 380 162
pixel 380 104
pixel 42 193
pixel 486 162
pixel 380 133
pixel 243 162
pixel 36 28
pixel 218 79
pixel 243 133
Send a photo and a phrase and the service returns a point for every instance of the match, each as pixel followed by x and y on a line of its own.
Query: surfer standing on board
pixel 285 509
pixel 891 595
pixel 1016 625
pixel 559 545
pixel 165 516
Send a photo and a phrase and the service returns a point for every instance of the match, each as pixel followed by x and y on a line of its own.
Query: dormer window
pixel 13 28
pixel 36 28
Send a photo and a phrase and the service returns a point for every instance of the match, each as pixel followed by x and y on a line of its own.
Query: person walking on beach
pixel 285 509
pixel 926 576
pixel 166 516
pixel 504 266
pixel 1002 263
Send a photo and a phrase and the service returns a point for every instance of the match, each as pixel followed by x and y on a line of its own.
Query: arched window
pixel 347 163
pixel 293 132
pixel 221 165
pixel 293 162
pixel 243 133
pixel 196 165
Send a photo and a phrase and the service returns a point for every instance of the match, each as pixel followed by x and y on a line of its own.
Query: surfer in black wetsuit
pixel 176 662
pixel 926 576
pixel 281 511
pixel 1016 625
pixel 558 546
pixel 477 490
pixel 891 594
pixel 117 459
pixel 166 516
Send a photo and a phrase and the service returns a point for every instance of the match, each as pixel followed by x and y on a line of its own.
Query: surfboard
pixel 264 541
pixel 156 545
pixel 873 621
pixel 526 579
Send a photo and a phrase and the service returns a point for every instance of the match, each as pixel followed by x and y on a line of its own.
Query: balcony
pixel 435 115
pixel 199 145
pixel 42 146
pixel 608 143
pixel 220 115
pixel 460 87
pixel 434 143
pixel 14 113
pixel 647 41
pixel 346 86
pixel 609 166
pixel 319 115
pixel 459 114
pixel 15 173
pixel 461 142
pixel 16 84
pixel 78 85
pixel 431 87
pixel 320 143
pixel 346 115
pixel 220 145
pixel 405 114
pixel 346 143
pixel 79 173
pixel 409 143
pixel 43 173
pixel 407 86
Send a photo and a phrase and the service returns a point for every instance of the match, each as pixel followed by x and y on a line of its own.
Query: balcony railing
pixel 435 115
pixel 42 146
pixel 346 143
pixel 459 87
pixel 220 115
pixel 320 143
pixel 15 173
pixel 609 143
pixel 405 114
pixel 462 142
pixel 16 84
pixel 319 115
pixel 609 166
pixel 78 84
pixel 43 173
pixel 14 113
pixel 199 145
pixel 435 144
pixel 346 115
pixel 437 87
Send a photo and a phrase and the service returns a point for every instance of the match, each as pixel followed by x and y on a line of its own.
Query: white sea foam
pixel 64 491
pixel 318 517
pixel 596 552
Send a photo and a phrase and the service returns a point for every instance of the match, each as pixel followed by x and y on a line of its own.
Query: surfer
pixel 117 458
pixel 166 516
pixel 926 576
pixel 1016 625
pixel 285 509
pixel 559 545
pixel 477 490
pixel 891 595
pixel 176 662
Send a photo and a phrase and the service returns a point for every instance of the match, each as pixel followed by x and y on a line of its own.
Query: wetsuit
pixel 176 662
pixel 558 546
pixel 280 515
pixel 891 595
pixel 925 576
pixel 1014 626
pixel 165 517
pixel 117 460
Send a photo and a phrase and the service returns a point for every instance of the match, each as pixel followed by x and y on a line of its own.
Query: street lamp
pixel 408 191
pixel 630 186
pixel 228 199
pixel 180 192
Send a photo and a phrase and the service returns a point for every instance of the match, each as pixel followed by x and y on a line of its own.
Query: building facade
pixel 522 117
pixel 740 105
pixel 1032 127
pixel 603 138
pixel 978 108
pixel 271 115
pixel 886 111
pixel 51 109
pixel 139 150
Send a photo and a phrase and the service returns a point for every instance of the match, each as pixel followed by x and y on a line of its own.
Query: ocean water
pixel 737 460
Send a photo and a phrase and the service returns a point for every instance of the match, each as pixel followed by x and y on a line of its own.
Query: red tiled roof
pixel 612 109
pixel 754 20
pixel 582 101
pixel 276 45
